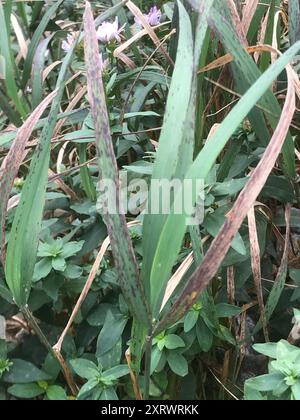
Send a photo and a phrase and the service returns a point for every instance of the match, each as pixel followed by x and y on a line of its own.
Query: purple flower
pixel 108 32
pixel 68 43
pixel 153 17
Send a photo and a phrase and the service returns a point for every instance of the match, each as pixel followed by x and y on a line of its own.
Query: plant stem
pixel 133 377
pixel 148 351
pixel 65 369
pixel 32 321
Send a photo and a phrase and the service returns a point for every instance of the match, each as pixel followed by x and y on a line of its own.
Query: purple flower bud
pixel 153 17
pixel 108 32
pixel 68 43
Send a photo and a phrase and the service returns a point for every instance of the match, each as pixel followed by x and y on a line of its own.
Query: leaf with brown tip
pixel 256 268
pixel 10 165
pixel 220 246
pixel 248 13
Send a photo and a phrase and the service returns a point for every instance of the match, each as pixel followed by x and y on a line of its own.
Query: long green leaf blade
pixel 5 51
pixel 116 223
pixel 175 145
pixel 246 199
pixel 9 168
pixel 36 39
pixel 24 237
pixel 175 227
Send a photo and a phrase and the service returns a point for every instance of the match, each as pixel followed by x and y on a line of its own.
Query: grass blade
pixel 36 39
pixel 37 70
pixel 248 13
pixel 268 36
pixel 175 227
pixel 237 23
pixel 5 50
pixel 218 250
pixel 116 223
pixel 24 237
pixel 294 16
pixel 10 166
pixel 246 73
pixel 279 284
pixel 176 145
pixel 256 268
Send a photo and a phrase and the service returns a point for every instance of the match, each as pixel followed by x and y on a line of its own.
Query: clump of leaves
pixel 54 255
pixel 5 365
pixel 100 383
pixel 283 380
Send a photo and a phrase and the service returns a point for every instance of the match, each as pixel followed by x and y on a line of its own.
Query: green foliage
pixel 54 255
pixel 138 118
pixel 33 390
pixel 100 383
pixel 283 380
pixel 4 366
